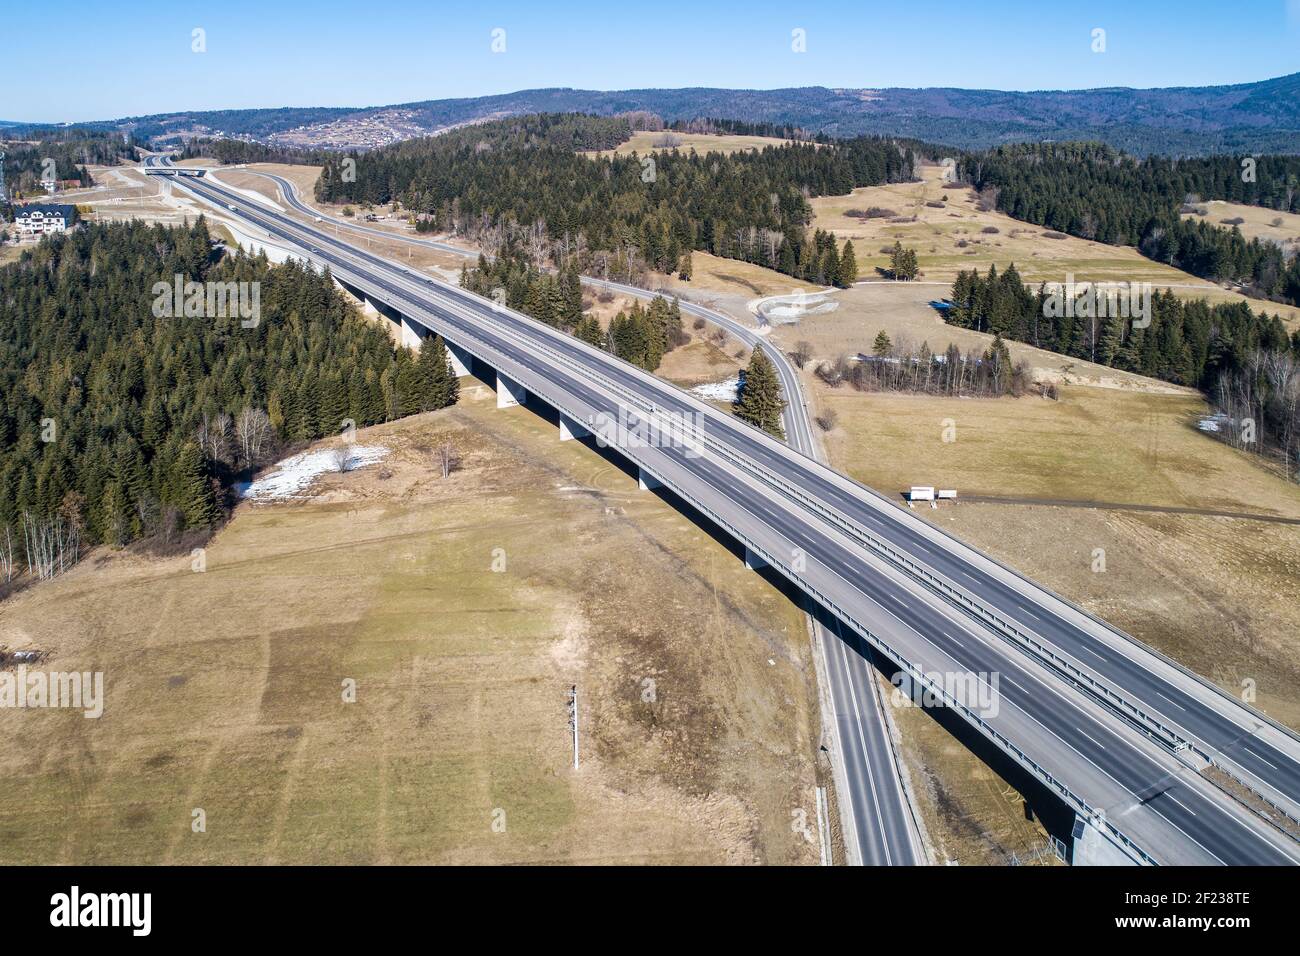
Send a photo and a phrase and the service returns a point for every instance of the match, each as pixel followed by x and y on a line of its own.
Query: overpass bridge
pixel 1130 778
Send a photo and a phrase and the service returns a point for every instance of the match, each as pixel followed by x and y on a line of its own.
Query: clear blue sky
pixel 135 57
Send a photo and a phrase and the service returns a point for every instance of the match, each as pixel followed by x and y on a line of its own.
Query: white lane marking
pixel 1172 701
pixel 860 729
pixel 1014 684
pixel 1099 657
pixel 1257 756
pixel 1096 655
pixel 1091 737
pixel 1180 803
pixel 1104 772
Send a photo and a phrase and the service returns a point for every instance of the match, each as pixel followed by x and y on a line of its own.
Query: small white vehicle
pixel 319 219
pixel 231 206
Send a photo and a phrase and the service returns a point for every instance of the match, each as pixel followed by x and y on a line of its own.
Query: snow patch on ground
pixel 718 391
pixel 295 474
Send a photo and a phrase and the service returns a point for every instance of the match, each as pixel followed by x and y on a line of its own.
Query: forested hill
pixel 1248 117
pixel 124 424
pixel 62 154
pixel 525 173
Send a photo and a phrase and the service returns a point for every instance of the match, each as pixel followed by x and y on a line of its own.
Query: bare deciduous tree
pixel 214 436
pixel 7 555
pixel 252 430
pixel 52 544
pixel 447 458
pixel 341 458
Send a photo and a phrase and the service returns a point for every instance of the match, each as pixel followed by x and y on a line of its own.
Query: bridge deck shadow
pixel 1040 801
pixel 1052 812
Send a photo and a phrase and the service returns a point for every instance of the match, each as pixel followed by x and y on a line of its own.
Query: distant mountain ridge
pixel 1249 117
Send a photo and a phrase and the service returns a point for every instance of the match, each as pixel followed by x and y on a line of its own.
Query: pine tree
pixel 192 488
pixel 431 374
pixel 831 264
pixel 903 262
pixel 686 267
pixel 760 402
pixel 848 266
pixel 438 386
pixel 882 347
pixel 589 330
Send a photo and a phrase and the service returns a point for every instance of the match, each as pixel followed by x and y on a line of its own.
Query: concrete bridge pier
pixel 646 481
pixel 753 561
pixel 411 333
pixel 1092 845
pixel 461 361
pixel 570 428
pixel 510 392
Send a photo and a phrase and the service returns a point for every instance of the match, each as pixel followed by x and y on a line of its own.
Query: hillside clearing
pixel 645 142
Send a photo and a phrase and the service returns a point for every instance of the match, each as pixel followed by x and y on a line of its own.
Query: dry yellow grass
pixel 937 235
pixel 1219 594
pixel 224 688
pixel 733 277
pixel 937 232
pixel 645 142
pixel 1258 222
pixel 700 361
pixel 1093 444
pixel 904 312
pixel 303 177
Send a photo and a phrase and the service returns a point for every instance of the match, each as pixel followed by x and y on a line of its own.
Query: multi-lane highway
pixel 935 607
pixel 878 821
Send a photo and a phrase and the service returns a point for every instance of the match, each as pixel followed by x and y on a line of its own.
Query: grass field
pixel 1219 594
pixel 903 310
pixel 645 142
pixel 953 238
pixel 733 277
pixel 1093 444
pixel 1258 222
pixel 303 177
pixel 937 232
pixel 224 687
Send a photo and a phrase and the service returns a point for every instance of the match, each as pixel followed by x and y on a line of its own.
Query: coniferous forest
pixel 641 335
pixel 121 425
pixel 1093 191
pixel 1187 342
pixel 1244 361
pixel 618 213
pixel 62 154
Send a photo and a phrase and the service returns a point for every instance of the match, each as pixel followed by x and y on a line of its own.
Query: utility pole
pixel 573 721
